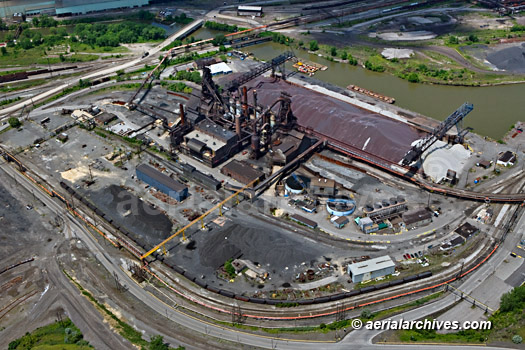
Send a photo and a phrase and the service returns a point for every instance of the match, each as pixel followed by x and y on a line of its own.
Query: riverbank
pixel 495 107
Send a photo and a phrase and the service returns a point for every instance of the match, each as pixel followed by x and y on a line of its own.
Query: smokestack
pixel 255 103
pixel 245 101
pixel 181 113
pixel 238 126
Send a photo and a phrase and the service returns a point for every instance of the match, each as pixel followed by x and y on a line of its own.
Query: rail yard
pixel 199 192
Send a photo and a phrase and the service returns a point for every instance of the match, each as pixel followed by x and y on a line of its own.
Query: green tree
pixel 14 122
pixel 26 43
pixel 453 40
pixel 344 55
pixel 314 46
pixel 413 77
pixel 473 38
pixel 157 343
pixel 352 60
pixel 4 50
pixel 219 40
pixel 333 51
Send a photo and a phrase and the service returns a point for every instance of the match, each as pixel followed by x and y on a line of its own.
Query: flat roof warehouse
pixel 163 179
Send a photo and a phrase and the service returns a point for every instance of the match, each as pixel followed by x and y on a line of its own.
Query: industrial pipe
pixel 181 114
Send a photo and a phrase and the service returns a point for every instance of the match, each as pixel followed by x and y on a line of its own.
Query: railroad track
pixel 254 312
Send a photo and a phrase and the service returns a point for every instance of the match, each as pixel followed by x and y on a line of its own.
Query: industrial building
pixel 304 221
pixel 249 11
pixel 467 230
pixel 105 118
pixel 385 208
pixel 367 225
pixel 220 68
pixel 290 147
pixel 371 269
pixel 416 217
pixel 322 187
pixel 64 8
pixel 78 7
pixel 205 180
pixel 210 142
pixel 340 221
pixel 242 172
pixel 506 159
pixel 161 182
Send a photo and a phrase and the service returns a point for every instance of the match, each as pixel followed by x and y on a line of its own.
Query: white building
pixel 220 68
pixel 371 269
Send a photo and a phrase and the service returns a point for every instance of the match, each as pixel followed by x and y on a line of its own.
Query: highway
pixel 363 338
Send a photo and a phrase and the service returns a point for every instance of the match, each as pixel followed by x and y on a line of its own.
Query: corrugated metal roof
pixel 346 123
pixel 249 8
pixel 163 179
pixel 371 265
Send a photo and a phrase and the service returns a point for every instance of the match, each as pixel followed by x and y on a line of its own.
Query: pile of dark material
pixel 511 59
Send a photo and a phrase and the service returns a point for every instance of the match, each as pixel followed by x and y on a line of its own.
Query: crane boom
pixel 219 205
pixel 437 134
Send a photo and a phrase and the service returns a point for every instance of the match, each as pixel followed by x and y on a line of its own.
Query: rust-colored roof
pixel 347 123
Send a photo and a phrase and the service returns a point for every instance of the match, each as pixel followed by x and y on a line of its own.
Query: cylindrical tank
pixel 245 101
pixel 385 203
pixel 232 106
pixel 378 205
pixel 238 125
pixel 181 114
pixel 238 107
pixel 255 104
pixel 255 144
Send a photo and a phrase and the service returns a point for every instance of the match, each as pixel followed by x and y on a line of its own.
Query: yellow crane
pixel 200 218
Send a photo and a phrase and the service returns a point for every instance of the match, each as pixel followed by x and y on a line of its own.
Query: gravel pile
pixel 510 59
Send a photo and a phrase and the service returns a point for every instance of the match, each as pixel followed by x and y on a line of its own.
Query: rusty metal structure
pixel 233 120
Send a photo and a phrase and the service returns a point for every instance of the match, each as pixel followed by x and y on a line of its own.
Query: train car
pixel 424 274
pixel 274 301
pixel 336 297
pixel 212 289
pixel 352 293
pixel 200 283
pixel 368 289
pixel 396 283
pixel 257 300
pixel 321 300
pixel 383 285
pixel 305 301
pixel 242 298
pixel 189 276
pixel 178 269
pixel 226 293
pixel 410 278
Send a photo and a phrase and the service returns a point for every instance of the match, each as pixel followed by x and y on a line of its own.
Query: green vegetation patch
pixel 59 335
pixel 123 328
pixel 508 325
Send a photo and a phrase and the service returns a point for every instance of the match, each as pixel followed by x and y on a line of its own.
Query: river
pixel 496 108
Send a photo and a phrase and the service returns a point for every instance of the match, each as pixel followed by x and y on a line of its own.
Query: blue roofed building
pixel 161 182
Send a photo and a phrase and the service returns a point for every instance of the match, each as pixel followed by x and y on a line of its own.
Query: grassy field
pixel 81 47
pixel 56 336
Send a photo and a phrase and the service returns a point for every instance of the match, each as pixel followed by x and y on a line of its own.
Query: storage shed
pixel 371 269
pixel 161 182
